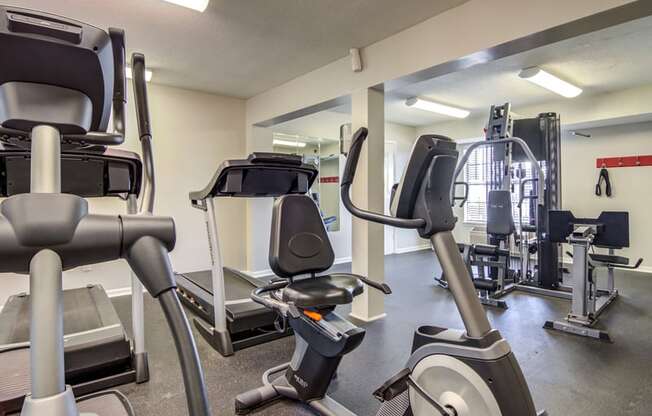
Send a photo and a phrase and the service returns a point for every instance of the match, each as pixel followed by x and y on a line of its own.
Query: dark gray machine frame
pixel 45 231
pixel 547 185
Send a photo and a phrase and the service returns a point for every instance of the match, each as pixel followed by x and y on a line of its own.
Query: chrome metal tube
pixel 137 300
pixel 217 268
pixel 460 284
pixel 149 182
pixel 46 325
pixel 46 160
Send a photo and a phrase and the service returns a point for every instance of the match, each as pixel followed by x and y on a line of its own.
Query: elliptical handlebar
pixel 119 82
pixel 140 93
pixel 348 176
pixel 138 68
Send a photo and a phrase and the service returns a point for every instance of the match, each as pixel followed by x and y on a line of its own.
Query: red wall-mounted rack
pixel 623 161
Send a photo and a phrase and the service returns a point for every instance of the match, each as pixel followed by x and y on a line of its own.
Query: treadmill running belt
pixel 16 379
pixel 235 287
pixel 80 315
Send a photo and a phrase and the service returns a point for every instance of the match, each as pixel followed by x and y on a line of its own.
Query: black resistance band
pixel 604 176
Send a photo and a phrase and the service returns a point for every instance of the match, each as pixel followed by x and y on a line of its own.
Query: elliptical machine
pixel 450 372
pixel 58 82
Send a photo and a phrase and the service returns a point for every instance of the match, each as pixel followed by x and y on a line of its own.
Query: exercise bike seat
pixel 322 291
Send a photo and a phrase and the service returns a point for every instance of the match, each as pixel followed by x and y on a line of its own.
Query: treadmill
pixel 98 352
pixel 226 316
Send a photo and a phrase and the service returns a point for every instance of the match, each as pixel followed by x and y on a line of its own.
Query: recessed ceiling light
pixel 548 81
pixel 288 143
pixel 199 5
pixel 434 107
pixel 130 75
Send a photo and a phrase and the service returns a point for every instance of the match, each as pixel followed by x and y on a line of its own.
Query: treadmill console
pixel 260 175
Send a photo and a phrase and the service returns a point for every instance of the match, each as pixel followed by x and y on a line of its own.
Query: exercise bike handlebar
pixel 347 180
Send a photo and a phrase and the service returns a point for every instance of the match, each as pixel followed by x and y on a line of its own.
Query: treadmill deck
pixel 96 347
pixel 243 314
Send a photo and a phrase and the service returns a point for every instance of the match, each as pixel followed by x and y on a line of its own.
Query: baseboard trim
pixel 411 249
pixel 366 320
pixel 260 273
pixel 268 272
pixel 121 291
pixel 342 260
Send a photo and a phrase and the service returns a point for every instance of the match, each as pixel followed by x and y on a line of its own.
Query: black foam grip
pixel 140 93
pixel 354 155
pixel 119 79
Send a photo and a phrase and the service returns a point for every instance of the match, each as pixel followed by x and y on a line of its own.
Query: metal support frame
pixel 461 285
pixel 588 301
pixel 140 364
pixel 217 335
pixel 49 393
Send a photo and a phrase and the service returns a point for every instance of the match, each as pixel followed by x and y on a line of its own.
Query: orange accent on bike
pixel 315 316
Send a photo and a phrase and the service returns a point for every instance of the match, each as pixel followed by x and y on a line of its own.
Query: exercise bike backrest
pixel 421 200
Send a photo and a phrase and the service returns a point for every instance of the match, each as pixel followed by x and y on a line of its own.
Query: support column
pixel 259 210
pixel 368 246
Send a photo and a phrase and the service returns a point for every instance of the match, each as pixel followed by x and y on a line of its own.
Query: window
pixel 477 175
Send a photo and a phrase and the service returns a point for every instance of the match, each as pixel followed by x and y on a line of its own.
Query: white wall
pixel 630 186
pixel 193 133
pixel 404 137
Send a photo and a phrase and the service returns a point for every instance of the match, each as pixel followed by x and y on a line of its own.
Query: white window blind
pixel 476 174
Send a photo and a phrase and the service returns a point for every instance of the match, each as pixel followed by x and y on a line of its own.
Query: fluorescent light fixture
pixel 288 143
pixel 548 81
pixel 148 74
pixel 199 5
pixel 434 107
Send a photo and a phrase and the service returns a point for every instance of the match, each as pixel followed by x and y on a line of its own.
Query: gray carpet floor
pixel 568 375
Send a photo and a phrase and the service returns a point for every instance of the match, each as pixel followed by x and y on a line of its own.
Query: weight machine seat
pixel 500 222
pixel 529 228
pixel 606 258
pixel 485 284
pixel 322 291
pixel 489 250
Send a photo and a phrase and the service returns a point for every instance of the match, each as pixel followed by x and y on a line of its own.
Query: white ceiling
pixel 612 59
pixel 244 47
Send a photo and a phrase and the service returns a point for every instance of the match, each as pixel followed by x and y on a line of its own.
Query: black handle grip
pixel 354 155
pixel 383 287
pixel 140 93
pixel 119 79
